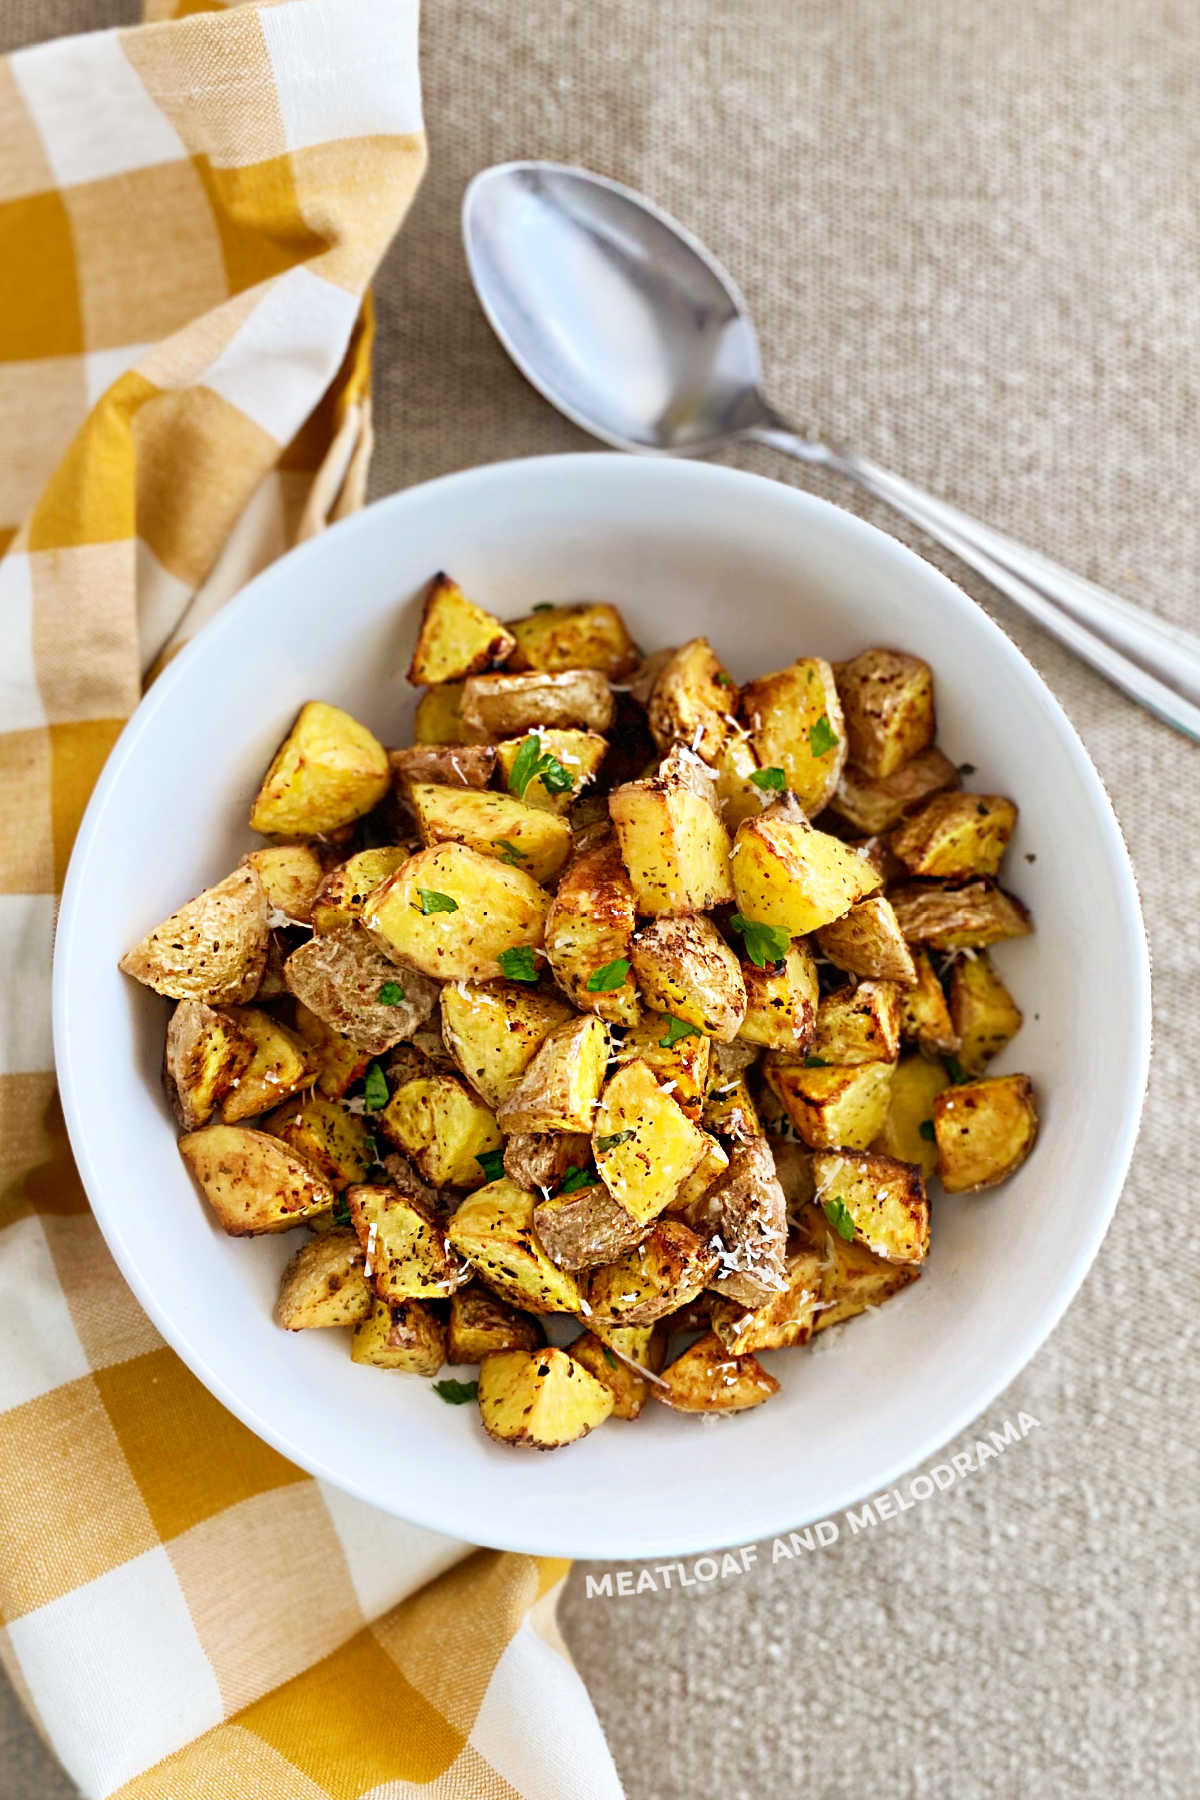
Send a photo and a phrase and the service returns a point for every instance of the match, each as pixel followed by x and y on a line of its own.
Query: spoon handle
pixel 1156 664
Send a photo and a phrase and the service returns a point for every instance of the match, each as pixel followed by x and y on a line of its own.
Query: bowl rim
pixel 553 1536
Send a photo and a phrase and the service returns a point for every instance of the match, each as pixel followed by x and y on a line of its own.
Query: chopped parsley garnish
pixel 955 1070
pixel 927 1132
pixel 492 1164
pixel 612 975
pixel 966 768
pixel 532 763
pixel 839 1216
pixel 519 964
pixel 341 1211
pixel 511 855
pixel 375 1089
pixel 432 901
pixel 574 1179
pixel 815 1062
pixel 765 944
pixel 609 1358
pixel 390 994
pixel 821 736
pixel 676 1029
pixel 771 781
pixel 610 1143
pixel 456 1393
pixel 544 606
pixel 722 679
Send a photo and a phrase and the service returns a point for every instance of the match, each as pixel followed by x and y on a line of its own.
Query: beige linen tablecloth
pixel 969 233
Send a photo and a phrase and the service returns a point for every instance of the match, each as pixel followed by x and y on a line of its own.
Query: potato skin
pixel 691 701
pixel 985 1129
pixel 924 1015
pixel 500 706
pixel 670 1268
pixel 983 1012
pixel 868 941
pixel 959 918
pixel 456 638
pixel 708 1378
pixel 859 1024
pixel 586 1228
pixel 324 1286
pixel 874 804
pixel 328 771
pixel 559 1089
pixel 956 837
pixel 449 765
pixel 751 1215
pixel 290 876
pixel 538 1160
pixel 479 1323
pixel 253 1182
pixel 589 925
pixel 213 949
pixel 206 1052
pixel 784 712
pixel 406 1335
pixel 684 967
pixel 338 976
pixel 887 699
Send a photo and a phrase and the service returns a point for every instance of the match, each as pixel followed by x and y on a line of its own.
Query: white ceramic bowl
pixel 768 574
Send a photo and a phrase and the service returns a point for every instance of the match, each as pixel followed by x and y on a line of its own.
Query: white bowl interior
pixel 768 574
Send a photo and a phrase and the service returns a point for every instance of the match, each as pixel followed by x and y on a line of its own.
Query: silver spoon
pixel 627 325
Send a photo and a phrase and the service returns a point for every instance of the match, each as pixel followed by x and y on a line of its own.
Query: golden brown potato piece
pixel 685 968
pixel 643 1142
pixel 342 895
pixel 479 1323
pixel 585 1228
pixel 964 918
pixel 333 1141
pixel 578 755
pixel 985 1129
pixel 328 771
pixel 590 635
pixel 589 933
pixel 907 1132
pixel 781 1001
pixel 868 941
pixel 406 1335
pixel 751 1214
pixel 789 875
pixel 500 706
pixel 539 1399
pixel 206 1053
pixel 524 837
pixel 493 1231
pixel 339 1062
pixel 627 1385
pixel 457 638
pixel 445 1128
pixel 404 1244
pixel 781 1318
pixel 290 876
pixel 670 1268
pixel 559 1089
pixel 452 912
pixel 795 722
pixel 324 1286
pixel 673 840
pixel 357 991
pixel 729 1107
pixel 280 1065
pixel 690 1202
pixel 874 805
pixel 253 1182
pixel 887 699
pixel 708 1378
pixel 681 1068
pixel 852 1279
pixel 831 1105
pixel 738 796
pixel 956 836
pixel 539 1160
pixel 213 949
pixel 793 1166
pixel 859 1024
pixel 692 700
pixel 983 1012
pixel 494 1031
pixel 439 717
pixel 924 1015
pixel 449 765
pixel 875 1199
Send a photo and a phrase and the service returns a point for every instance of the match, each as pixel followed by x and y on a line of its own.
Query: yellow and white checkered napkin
pixel 189 214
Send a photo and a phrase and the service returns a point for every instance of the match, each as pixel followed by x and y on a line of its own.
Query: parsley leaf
pixel 519 964
pixel 927 1132
pixel 492 1164
pixel 771 781
pixel 821 736
pixel 764 943
pixel 839 1216
pixel 722 679
pixel 610 1143
pixel 390 994
pixel 966 768
pixel 375 1089
pixel 456 1393
pixel 432 901
pixel 609 1358
pixel 341 1211
pixel 955 1070
pixel 676 1029
pixel 815 1062
pixel 512 855
pixel 544 606
pixel 532 763
pixel 574 1179
pixel 612 975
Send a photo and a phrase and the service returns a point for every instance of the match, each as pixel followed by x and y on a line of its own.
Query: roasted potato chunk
pixel 708 1378
pixel 589 933
pixel 868 941
pixel 985 1129
pixel 859 1024
pixel 493 1032
pixel 684 967
pixel 782 1318
pixel 907 1132
pixel 559 1089
pixel 781 1001
pixel 253 1182
pixel 206 1052
pixel 591 635
pixel 541 1399
pixel 627 1385
pixel 643 1142
pixel 831 1106
pixel 290 876
pixel 479 1323
pixel 874 805
pixel 405 1335
pixel 668 1269
pixel 338 1062
pixel 924 1015
pixel 457 638
pixel 673 841
pixel 691 700
pixel 448 765
pixel 500 706
pixel 213 949
pixel 333 1141
pixel 578 755
pixel 983 1012
pixel 789 875
pixel 738 795
pixel 795 722
pixel 881 1199
pixel 585 1228
pixel 539 1160
pixel 691 1198
pixel 444 1127
pixel 324 1286
pixel 729 1108
pixel 493 1231
pixel 956 836
pixel 887 700
pixel 852 1279
pixel 439 717
pixel 343 893
pixel 452 912
pixel 404 1244
pixel 681 1068
pixel 964 918
pixel 280 1065
pixel 751 1214
pixel 494 824
pixel 351 986
pixel 328 771
pixel 793 1167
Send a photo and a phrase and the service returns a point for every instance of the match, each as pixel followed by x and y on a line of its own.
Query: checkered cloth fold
pixel 190 212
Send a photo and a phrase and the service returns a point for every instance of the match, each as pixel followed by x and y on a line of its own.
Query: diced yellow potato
pixel 859 1024
pixel 338 1060
pixel 907 1132
pixel 956 836
pixel 281 1064
pixel 780 1320
pixel 493 1231
pixel 494 908
pixel 643 1142
pixel 681 1068
pixel 729 1108
pixel 496 825
pixel 332 1140
pixel 887 699
pixel 328 771
pixel 673 841
pixel 835 1105
pixel 924 1015
pixel 406 1335
pixel 324 1286
pixel 479 1324
pixel 692 700
pixel 868 941
pixel 884 1200
pixel 206 1052
pixel 781 1001
pixel 645 1345
pixel 738 797
pixel 580 754
pixel 627 1385
pixel 708 1378
pixel 404 1244
pixel 874 804
pixel 500 706
pixel 494 1031
pixel 685 968
pixel 542 1399
pixel 290 876
pixel 342 895
pixel 589 929
pixel 789 875
pixel 690 1202
pixel 983 1012
pixel 346 980
pixel 670 1268
pixel 591 635
pixel 213 949
pixel 439 717
pixel 795 722
pixel 560 1087
pixel 253 1182
pixel 985 1129
pixel 852 1279
pixel 585 1228
pixel 457 638
pixel 964 918
pixel 443 1126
